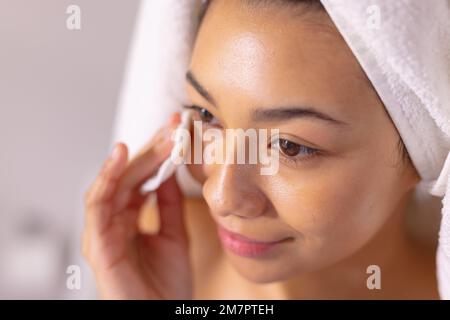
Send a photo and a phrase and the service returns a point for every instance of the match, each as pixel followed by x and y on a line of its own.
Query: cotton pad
pixel 168 167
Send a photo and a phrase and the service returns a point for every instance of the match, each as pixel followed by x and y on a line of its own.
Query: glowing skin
pixel 343 205
pixel 335 207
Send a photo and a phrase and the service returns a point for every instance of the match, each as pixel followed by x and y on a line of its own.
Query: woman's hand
pixel 126 263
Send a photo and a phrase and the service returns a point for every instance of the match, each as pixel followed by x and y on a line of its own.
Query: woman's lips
pixel 243 246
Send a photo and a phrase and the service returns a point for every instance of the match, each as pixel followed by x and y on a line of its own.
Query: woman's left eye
pixel 293 151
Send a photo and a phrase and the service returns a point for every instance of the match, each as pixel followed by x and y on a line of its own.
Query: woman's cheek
pixel 334 205
pixel 311 208
pixel 197 172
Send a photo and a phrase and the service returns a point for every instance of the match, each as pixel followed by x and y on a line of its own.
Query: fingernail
pixel 169 121
pixel 168 135
pixel 174 118
pixel 116 153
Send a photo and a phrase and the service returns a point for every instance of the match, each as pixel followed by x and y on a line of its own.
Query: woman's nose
pixel 229 190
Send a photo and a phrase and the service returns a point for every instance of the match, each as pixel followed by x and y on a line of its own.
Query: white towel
pixel 406 56
pixel 404 48
pixel 153 85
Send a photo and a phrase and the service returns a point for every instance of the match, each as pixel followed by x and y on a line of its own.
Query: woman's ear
pixel 412 177
pixel 408 172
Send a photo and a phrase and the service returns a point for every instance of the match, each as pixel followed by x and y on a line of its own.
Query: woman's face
pixel 333 194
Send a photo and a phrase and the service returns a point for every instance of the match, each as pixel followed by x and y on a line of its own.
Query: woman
pixel 334 210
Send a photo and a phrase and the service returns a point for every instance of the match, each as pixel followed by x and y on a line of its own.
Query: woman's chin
pixel 261 271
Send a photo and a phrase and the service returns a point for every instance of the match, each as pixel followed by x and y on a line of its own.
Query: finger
pixel 85 243
pixel 99 206
pixel 138 198
pixel 146 163
pixel 170 206
pixel 102 187
pixel 174 119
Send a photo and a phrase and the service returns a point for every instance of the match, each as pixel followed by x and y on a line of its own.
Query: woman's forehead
pixel 264 60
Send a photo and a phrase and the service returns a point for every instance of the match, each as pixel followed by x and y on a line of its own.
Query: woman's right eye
pixel 205 116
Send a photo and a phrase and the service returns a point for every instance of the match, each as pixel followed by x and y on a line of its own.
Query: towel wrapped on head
pixel 406 56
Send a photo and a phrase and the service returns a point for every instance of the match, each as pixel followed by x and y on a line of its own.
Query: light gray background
pixel 58 94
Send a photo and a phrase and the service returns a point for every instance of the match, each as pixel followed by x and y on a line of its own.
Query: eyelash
pixel 290 160
pixel 199 111
pixel 308 152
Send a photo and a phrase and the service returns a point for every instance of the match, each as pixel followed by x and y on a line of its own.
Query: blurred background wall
pixel 59 90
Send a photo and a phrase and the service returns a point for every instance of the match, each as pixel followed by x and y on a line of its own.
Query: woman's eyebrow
pixel 291 112
pixel 200 89
pixel 271 114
